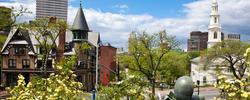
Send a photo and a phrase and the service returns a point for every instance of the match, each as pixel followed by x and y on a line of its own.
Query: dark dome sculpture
pixel 184 88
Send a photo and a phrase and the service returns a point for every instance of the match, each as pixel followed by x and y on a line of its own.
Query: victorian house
pixel 20 53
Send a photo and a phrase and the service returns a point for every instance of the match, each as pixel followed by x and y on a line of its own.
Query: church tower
pixel 214 28
pixel 80 28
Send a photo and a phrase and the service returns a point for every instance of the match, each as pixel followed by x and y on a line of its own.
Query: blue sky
pixel 115 19
pixel 156 8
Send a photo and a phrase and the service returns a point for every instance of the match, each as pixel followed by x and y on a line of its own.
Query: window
pixel 215 20
pixel 205 80
pixel 215 35
pixel 26 63
pixel 81 65
pixel 19 51
pixel 12 63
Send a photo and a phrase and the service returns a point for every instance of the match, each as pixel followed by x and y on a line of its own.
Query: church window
pixel 204 79
pixel 215 20
pixel 215 35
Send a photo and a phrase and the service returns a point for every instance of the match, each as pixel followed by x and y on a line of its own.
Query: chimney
pixel 61 45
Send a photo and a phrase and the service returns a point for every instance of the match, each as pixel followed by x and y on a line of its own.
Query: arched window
pixel 215 35
pixel 215 20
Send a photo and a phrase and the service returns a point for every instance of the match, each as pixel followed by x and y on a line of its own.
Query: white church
pixel 208 76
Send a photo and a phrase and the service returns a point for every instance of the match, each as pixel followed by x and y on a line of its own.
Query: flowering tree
pixel 238 89
pixel 60 85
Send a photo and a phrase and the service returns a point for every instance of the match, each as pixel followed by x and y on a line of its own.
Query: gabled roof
pixel 80 22
pixel 94 38
pixel 11 39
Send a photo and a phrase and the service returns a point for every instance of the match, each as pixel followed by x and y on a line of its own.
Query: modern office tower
pixel 198 41
pixel 52 8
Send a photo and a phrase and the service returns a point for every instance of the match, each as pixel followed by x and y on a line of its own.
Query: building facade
pixel 235 37
pixel 108 66
pixel 21 54
pixel 206 72
pixel 52 8
pixel 197 41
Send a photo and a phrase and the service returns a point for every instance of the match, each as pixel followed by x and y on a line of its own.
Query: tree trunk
pixel 44 64
pixel 153 89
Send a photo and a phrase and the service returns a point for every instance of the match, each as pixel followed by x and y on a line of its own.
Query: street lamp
pixel 97 65
pixel 198 83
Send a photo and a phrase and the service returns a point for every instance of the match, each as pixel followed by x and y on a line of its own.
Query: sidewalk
pixel 195 89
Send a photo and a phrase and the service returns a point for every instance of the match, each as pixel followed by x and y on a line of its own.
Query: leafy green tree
pixel 232 55
pixel 175 67
pixel 193 54
pixel 9 17
pixel 46 32
pixel 146 53
pixel 131 86
pixel 58 86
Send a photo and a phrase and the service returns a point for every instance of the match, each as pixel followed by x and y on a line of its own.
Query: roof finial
pixel 80 3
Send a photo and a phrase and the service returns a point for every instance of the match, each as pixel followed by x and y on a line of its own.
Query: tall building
pixel 214 29
pixel 232 37
pixel 52 8
pixel 197 41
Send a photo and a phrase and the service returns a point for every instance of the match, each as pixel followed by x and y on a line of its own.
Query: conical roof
pixel 80 22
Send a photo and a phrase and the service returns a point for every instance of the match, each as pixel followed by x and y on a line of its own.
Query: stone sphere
pixel 184 88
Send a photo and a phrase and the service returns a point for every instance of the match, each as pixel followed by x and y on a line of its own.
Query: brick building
pixel 108 66
pixel 20 53
pixel 198 41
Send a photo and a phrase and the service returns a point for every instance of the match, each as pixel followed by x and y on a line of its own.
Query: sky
pixel 115 19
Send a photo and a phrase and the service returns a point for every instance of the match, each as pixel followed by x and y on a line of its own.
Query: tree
pixel 146 53
pixel 131 86
pixel 238 89
pixel 46 32
pixel 232 55
pixel 9 17
pixel 193 54
pixel 58 86
pixel 175 67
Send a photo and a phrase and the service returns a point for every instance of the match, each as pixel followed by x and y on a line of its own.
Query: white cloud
pixel 122 6
pixel 114 27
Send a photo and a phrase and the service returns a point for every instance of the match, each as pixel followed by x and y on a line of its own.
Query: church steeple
pixel 80 27
pixel 214 28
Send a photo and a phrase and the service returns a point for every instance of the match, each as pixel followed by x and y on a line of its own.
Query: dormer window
pixel 19 51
